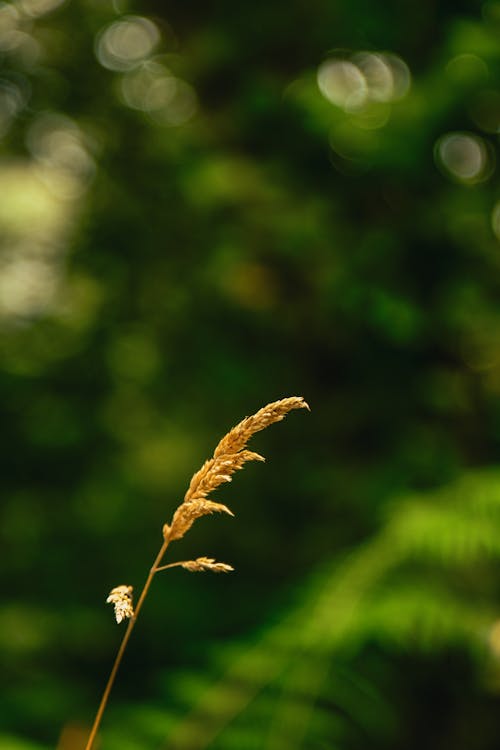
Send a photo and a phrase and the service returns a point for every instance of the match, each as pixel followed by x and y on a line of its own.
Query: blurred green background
pixel 205 207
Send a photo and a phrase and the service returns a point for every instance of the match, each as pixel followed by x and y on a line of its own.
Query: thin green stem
pixel 123 645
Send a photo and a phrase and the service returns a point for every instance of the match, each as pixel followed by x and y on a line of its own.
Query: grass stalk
pixel 123 645
pixel 229 456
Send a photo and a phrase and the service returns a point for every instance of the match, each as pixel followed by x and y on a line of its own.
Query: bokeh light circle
pixel 126 43
pixel 377 74
pixel 153 89
pixel 342 83
pixel 465 157
pixel 363 79
pixel 59 147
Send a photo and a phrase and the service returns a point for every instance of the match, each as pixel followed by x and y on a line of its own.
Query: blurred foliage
pixel 206 208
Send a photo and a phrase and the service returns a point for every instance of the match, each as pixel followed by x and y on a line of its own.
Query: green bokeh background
pixel 173 258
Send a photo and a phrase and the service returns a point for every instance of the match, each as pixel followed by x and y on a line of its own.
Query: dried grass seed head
pixel 121 598
pixel 229 456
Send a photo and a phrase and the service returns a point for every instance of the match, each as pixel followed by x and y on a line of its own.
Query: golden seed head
pixel 206 563
pixel 229 456
pixel 121 598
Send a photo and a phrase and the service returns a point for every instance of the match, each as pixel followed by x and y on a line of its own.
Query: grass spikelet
pixel 202 564
pixel 237 438
pixel 121 598
pixel 215 472
pixel 187 513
